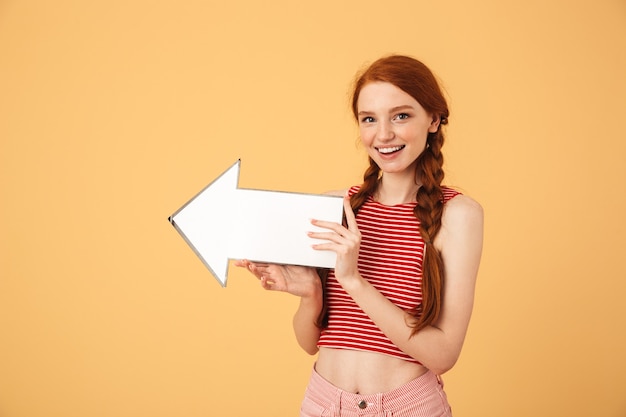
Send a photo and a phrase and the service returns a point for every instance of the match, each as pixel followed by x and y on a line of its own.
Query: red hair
pixel 417 80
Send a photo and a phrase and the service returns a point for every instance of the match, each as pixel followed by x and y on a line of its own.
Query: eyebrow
pixel 392 110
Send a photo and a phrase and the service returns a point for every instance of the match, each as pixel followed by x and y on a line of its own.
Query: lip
pixel 389 150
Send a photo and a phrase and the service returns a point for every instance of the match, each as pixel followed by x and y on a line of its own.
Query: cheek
pixel 365 136
pixel 419 133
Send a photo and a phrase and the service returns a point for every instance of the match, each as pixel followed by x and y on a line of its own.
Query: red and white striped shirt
pixel 390 258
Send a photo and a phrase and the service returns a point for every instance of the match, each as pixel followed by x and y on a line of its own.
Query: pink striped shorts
pixel 422 397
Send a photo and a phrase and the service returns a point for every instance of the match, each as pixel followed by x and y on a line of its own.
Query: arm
pixel 460 241
pixel 296 280
pixel 305 321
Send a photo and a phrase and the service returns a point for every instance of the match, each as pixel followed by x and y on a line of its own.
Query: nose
pixel 385 131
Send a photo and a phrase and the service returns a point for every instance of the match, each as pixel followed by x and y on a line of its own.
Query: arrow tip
pixel 203 222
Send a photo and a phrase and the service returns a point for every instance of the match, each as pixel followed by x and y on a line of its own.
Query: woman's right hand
pixel 301 281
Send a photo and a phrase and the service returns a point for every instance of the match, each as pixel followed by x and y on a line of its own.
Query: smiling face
pixel 393 126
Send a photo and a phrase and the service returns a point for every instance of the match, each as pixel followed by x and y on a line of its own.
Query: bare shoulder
pixel 462 208
pixel 460 239
pixel 461 223
pixel 338 193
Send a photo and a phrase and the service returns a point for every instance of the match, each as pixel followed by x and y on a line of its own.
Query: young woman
pixel 391 317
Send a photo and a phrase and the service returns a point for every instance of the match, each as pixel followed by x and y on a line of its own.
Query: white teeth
pixel 390 150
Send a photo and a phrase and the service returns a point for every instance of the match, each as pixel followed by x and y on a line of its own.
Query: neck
pixel 396 189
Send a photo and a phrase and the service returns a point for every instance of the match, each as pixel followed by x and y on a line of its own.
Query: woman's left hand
pixel 344 241
pixel 297 280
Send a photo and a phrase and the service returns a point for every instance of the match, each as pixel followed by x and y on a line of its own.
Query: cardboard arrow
pixel 225 222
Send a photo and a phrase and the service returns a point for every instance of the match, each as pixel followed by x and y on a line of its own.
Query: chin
pixel 395 168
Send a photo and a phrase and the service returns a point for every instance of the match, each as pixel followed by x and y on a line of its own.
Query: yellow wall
pixel 114 113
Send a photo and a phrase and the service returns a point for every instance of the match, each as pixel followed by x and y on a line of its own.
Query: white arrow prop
pixel 225 222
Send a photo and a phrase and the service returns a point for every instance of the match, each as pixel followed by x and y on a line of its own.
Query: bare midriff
pixel 365 372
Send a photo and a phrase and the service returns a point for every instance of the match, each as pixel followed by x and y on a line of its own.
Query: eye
pixel 402 116
pixel 367 119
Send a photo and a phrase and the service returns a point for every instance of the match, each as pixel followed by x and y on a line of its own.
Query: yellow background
pixel 114 113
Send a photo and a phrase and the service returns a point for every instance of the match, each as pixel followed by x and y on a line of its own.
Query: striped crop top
pixel 390 258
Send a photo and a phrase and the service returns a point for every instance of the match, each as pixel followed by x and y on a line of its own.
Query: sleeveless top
pixel 390 258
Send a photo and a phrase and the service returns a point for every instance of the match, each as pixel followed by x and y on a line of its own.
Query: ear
pixel 434 125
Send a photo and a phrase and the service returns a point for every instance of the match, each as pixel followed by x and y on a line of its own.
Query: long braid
pixel 429 210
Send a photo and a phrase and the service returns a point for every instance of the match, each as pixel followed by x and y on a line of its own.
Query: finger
pixel 335 227
pixel 242 263
pixel 268 283
pixel 330 236
pixel 343 247
pixel 256 269
pixel 250 266
pixel 331 246
pixel 265 283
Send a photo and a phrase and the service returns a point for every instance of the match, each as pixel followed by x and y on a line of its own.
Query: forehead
pixel 383 95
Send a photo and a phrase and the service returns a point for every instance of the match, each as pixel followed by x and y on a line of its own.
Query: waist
pixel 416 391
pixel 365 372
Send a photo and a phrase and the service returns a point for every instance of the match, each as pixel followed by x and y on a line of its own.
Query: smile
pixel 390 149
